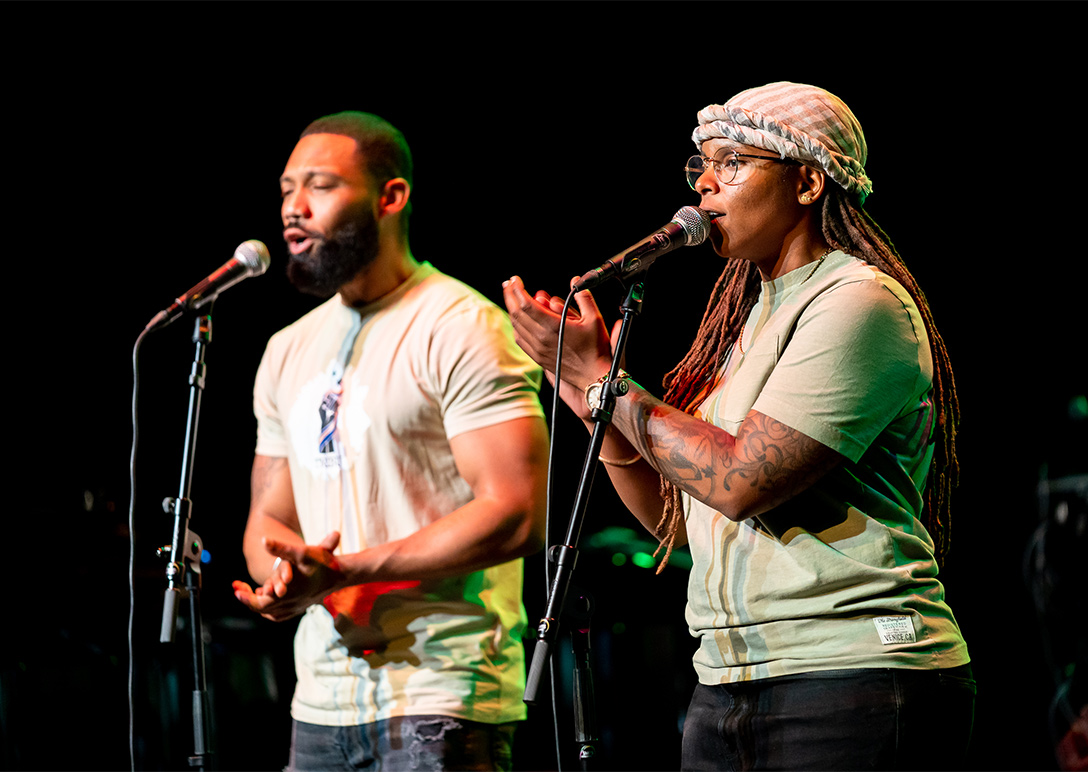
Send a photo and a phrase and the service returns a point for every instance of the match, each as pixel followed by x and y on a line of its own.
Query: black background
pixel 144 142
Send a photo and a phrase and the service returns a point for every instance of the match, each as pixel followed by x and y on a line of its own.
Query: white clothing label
pixel 894 630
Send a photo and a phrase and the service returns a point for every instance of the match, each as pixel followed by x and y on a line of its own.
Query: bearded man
pixel 398 478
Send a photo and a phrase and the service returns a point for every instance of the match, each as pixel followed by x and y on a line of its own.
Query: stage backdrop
pixel 145 142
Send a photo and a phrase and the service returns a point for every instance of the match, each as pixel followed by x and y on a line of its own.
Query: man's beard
pixel 337 258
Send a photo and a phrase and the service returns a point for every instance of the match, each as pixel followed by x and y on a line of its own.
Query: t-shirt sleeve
pixel 857 358
pixel 271 437
pixel 484 378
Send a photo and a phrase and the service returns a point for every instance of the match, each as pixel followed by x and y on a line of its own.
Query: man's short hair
pixel 383 148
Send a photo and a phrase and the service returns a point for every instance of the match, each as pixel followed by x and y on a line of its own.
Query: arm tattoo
pixel 773 458
pixel 766 464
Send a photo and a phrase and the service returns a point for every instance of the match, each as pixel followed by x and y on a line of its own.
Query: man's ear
pixel 394 196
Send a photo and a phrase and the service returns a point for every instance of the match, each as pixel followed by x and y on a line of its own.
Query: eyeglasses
pixel 726 169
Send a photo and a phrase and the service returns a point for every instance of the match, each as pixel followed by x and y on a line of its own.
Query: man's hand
pixel 304 575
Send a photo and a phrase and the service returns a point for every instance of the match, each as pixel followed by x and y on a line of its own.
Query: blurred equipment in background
pixel 1056 573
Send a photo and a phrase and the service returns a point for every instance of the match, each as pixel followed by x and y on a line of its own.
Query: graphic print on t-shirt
pixel 325 416
pixel 326 411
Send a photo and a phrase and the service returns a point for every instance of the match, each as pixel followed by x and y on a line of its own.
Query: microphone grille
pixel 695 222
pixel 254 256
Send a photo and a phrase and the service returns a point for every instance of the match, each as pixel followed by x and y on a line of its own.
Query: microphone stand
pixel 585 705
pixel 185 549
pixel 565 556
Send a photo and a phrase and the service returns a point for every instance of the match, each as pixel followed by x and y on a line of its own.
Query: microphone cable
pixel 548 516
pixel 132 546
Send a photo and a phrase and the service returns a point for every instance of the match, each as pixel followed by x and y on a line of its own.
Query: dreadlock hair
pixel 847 227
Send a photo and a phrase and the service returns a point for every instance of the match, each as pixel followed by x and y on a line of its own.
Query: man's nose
pixel 295 206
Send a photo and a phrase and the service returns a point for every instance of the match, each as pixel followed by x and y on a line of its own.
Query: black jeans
pixel 838 719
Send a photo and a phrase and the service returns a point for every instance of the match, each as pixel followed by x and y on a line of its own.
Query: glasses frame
pixel 717 165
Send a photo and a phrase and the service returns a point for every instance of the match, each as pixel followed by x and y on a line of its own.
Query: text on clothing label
pixel 894 630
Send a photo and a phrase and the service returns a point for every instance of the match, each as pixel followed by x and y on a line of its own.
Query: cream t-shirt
pixel 362 403
pixel 842 576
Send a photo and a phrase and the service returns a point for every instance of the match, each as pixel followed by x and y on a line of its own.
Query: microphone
pixel 688 227
pixel 250 259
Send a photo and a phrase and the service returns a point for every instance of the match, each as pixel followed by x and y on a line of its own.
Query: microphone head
pixel 695 222
pixel 254 256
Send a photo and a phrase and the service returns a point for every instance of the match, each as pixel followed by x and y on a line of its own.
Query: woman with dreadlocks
pixel 804 451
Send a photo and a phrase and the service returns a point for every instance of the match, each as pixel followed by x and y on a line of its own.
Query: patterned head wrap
pixel 796 121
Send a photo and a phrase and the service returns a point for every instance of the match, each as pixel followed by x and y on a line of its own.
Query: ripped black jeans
pixel 403 743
